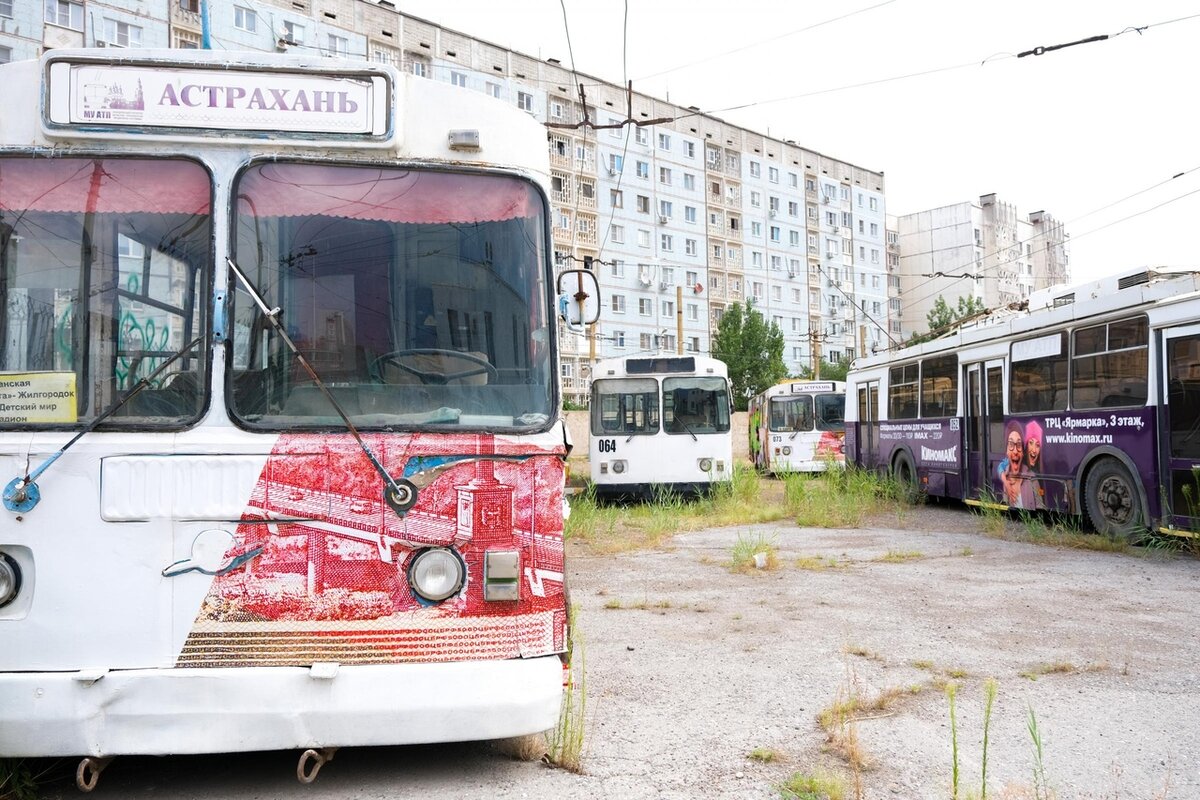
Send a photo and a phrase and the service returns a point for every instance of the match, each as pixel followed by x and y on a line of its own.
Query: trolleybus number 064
pixel 607 445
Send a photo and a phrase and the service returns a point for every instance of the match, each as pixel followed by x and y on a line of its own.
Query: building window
pixel 616 198
pixel 664 142
pixel 65 13
pixel 293 33
pixel 5 55
pixel 643 204
pixel 122 34
pixel 668 308
pixel 644 341
pixel 244 19
pixel 773 174
pixel 689 247
pixel 186 40
pixel 645 306
pixel 643 169
pixel 689 214
pixel 756 199
pixel 640 135
pixel 191 6
pixel 665 208
pixel 755 228
pixel 755 169
pixel 668 243
pixel 775 233
pixel 556 109
pixel 339 46
pixel 689 149
pixel 458 78
pixel 525 101
pixel 493 89
pixel 689 181
pixel 618 268
pixel 618 304
pixel 419 69
pixel 618 338
pixel 693 312
pixel 643 237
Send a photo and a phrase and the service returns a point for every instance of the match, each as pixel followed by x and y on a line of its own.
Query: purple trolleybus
pixel 1087 403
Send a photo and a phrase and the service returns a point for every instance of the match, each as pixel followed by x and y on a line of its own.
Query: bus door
pixel 868 424
pixel 984 415
pixel 1179 425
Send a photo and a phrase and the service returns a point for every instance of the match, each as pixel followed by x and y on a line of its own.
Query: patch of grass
pixel 17 780
pixel 817 785
pixel 565 741
pixel 592 522
pixel 900 556
pixel 763 755
pixel 861 652
pixel 1061 668
pixel 750 549
pixel 613 603
pixel 820 563
pixel 966 552
pixel 840 498
pixel 924 664
pixel 957 673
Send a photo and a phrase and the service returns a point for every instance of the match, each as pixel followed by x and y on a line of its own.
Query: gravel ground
pixel 700 665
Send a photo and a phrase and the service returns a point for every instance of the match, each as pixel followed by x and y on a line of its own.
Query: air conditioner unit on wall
pixel 663 219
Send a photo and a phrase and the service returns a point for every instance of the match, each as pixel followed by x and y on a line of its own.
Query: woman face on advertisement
pixel 1033 450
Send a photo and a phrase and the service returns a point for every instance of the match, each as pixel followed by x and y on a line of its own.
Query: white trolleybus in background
pixel 282 455
pixel 1086 403
pixel 798 426
pixel 660 423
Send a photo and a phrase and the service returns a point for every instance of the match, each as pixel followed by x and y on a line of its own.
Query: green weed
pixel 565 740
pixel 754 551
pixel 818 785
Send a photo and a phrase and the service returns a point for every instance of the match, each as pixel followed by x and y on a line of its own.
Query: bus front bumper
pixel 223 710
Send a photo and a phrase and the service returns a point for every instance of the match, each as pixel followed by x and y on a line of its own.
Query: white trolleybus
pixel 281 451
pixel 798 426
pixel 1087 403
pixel 660 423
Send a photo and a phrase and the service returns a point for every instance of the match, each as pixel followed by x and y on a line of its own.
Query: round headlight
pixel 618 467
pixel 706 465
pixel 10 579
pixel 436 574
pixel 787 451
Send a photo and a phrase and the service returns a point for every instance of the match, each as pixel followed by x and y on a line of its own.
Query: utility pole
pixel 816 340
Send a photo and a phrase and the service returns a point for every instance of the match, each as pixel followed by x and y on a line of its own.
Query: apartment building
pixel 985 249
pixel 680 213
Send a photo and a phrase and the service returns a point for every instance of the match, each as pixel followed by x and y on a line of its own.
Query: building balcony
pixel 561 161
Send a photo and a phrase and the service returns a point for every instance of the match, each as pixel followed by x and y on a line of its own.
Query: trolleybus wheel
pixel 1112 501
pixel 905 475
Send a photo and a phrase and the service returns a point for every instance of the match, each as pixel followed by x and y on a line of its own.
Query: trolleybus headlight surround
pixel 618 467
pixel 10 579
pixel 706 465
pixel 787 451
pixel 435 574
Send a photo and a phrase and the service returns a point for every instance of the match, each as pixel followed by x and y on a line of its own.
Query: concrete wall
pixel 577 424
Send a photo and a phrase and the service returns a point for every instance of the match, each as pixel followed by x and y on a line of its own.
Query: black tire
pixel 1112 501
pixel 904 472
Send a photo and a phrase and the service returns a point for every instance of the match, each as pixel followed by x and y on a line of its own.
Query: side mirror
pixel 578 298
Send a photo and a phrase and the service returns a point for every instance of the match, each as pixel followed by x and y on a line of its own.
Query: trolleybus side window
pixel 939 386
pixel 416 295
pixel 695 405
pixel 1038 381
pixel 1110 364
pixel 624 406
pixel 103 262
pixel 902 392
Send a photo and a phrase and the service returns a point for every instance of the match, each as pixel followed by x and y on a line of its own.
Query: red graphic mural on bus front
pixel 330 575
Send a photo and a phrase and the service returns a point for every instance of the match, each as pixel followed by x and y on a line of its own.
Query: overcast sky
pixel 1069 132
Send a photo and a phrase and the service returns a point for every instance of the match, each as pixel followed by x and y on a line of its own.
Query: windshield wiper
pixel 22 494
pixel 686 428
pixel 400 496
